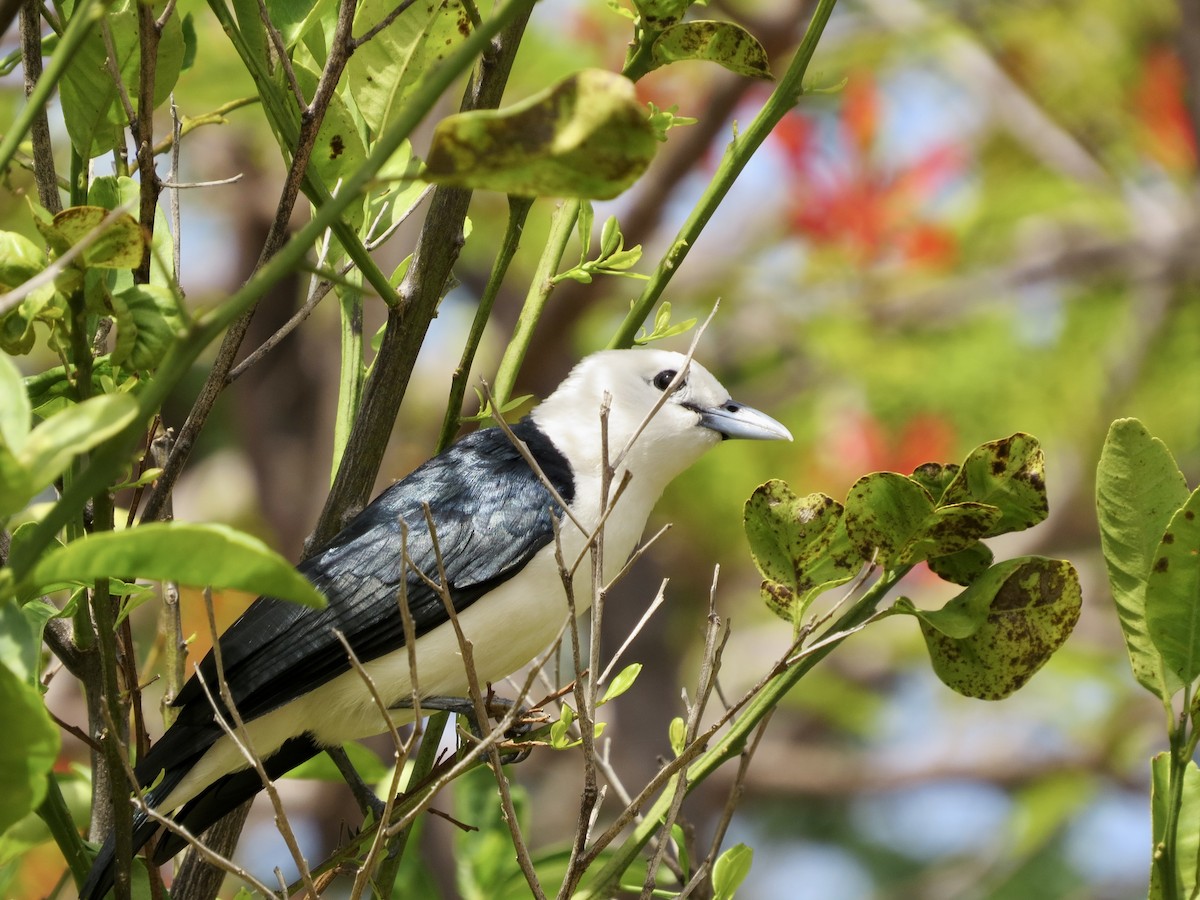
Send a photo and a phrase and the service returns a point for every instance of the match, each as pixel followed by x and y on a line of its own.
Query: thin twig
pixel 383 23
pixel 401 751
pixel 39 130
pixel 192 185
pixel 713 646
pixel 281 54
pixel 659 598
pixel 114 72
pixel 240 737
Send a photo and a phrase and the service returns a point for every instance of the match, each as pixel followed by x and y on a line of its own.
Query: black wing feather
pixel 491 514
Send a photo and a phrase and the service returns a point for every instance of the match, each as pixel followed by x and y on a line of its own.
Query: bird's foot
pixel 495 707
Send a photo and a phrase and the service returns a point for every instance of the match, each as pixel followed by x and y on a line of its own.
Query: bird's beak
pixel 736 420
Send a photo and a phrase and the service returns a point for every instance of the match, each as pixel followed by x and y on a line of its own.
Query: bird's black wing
pixel 491 514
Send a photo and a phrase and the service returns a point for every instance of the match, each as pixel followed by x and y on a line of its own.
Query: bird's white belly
pixel 507 628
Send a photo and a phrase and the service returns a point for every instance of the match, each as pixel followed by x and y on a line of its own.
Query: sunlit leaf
pixel 119 243
pixel 51 446
pixel 28 750
pixel 1009 474
pixel 587 136
pixel 621 682
pixel 1138 489
pixel 199 555
pixel 1173 593
pixel 989 640
pixel 725 43
pixel 799 545
pixel 383 72
pixel 148 322
pixel 730 870
pixel 892 518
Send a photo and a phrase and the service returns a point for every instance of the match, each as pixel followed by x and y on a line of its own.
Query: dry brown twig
pixel 238 733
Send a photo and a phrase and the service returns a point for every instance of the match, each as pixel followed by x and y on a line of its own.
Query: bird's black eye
pixel 664 378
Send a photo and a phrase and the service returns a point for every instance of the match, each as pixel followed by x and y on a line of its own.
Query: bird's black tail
pixel 221 797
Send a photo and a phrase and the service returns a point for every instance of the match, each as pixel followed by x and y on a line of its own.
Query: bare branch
pixel 240 737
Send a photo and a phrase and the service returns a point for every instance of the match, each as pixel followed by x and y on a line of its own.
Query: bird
pixel 640 416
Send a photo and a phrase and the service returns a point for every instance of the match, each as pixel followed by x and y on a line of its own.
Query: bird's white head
pixel 664 412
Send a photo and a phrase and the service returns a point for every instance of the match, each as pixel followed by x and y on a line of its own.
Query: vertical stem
pixel 39 127
pixel 785 96
pixel 561 226
pixel 350 380
pixel 518 210
pixel 150 186
pixel 85 15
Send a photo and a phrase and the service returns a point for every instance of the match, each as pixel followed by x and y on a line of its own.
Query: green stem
pixel 518 211
pixel 108 460
pixel 57 816
pixel 1167 859
pixel 561 226
pixel 785 96
pixel 86 14
pixel 730 744
pixel 350 380
pixel 284 120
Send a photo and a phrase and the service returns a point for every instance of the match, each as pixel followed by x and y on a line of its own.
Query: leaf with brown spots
pixel 118 246
pixel 799 545
pixel 1173 593
pixel 989 640
pixel 1138 488
pixel 724 43
pixel 892 518
pixel 383 72
pixel 1009 474
pixel 587 136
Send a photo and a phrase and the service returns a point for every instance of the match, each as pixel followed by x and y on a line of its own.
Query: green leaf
pixel 679 839
pixel 119 246
pixel 31 830
pixel 14 411
pixel 990 639
pixel 730 870
pixel 583 226
pixel 1009 474
pixel 322 768
pixel 294 18
pixel 799 545
pixel 94 116
pixel 200 555
pixel 586 136
pixel 1173 593
pixel 935 478
pixel 677 734
pixel 148 322
pixel 1187 848
pixel 28 750
pixel 622 682
pixel 964 566
pixel 1138 489
pixel 661 13
pixel 663 120
pixel 20 260
pixel 724 43
pixel 338 150
pixel 51 446
pixel 111 192
pixel 892 518
pixel 383 72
